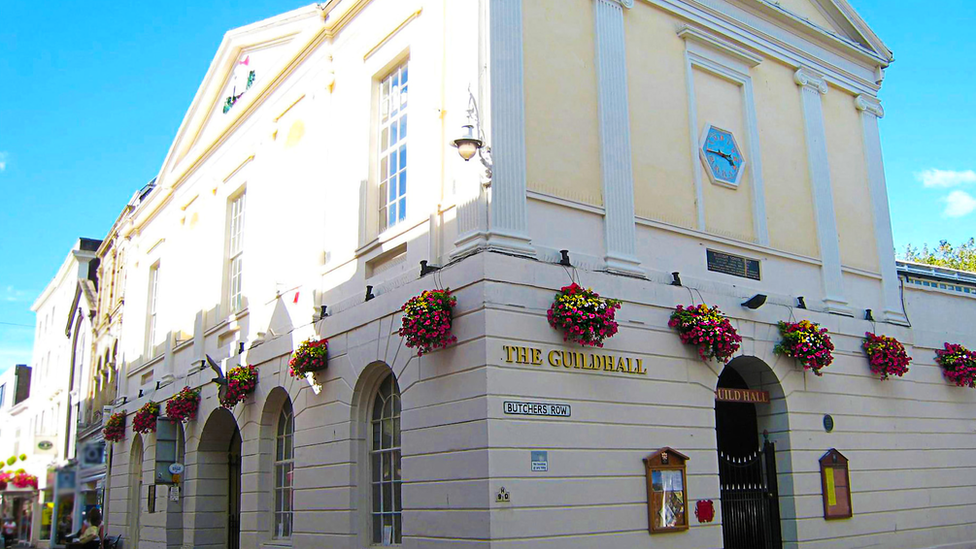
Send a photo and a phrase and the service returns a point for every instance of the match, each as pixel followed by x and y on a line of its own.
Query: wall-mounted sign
pixel 735 265
pixel 574 360
pixel 667 491
pixel 835 481
pixel 176 468
pixel 742 395
pixel 550 409
pixel 44 445
pixel 540 461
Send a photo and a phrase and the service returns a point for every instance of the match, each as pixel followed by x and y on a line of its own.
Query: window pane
pixel 393 133
pixel 376 498
pixel 403 156
pixel 387 467
pixel 393 163
pixel 397 524
pixel 392 216
pixel 377 530
pixel 397 497
pixel 377 459
pixel 396 433
pixel 403 209
pixel 403 127
pixel 403 183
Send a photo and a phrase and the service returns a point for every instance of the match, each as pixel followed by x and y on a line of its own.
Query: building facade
pixel 679 152
pixel 18 503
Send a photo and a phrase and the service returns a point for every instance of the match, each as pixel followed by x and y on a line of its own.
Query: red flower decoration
pixel 114 430
pixel 145 419
pixel 807 342
pixel 886 355
pixel 241 381
pixel 583 316
pixel 24 480
pixel 311 356
pixel 427 320
pixel 708 329
pixel 958 364
pixel 184 404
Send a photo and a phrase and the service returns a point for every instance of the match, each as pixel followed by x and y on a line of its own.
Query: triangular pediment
pixel 834 17
pixel 248 60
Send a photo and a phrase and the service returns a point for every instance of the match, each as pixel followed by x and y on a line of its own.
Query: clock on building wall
pixel 722 156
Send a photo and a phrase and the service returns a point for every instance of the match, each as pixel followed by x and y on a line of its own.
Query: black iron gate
pixel 750 508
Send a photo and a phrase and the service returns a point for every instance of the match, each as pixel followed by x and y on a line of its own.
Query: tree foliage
pixel 962 257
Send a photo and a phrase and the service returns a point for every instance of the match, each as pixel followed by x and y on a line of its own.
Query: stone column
pixel 812 87
pixel 508 219
pixel 615 154
pixel 871 111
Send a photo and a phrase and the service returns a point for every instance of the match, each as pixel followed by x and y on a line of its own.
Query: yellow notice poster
pixel 831 492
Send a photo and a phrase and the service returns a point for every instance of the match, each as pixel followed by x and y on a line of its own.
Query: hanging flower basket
pixel 311 356
pixel 4 479
pixel 958 364
pixel 427 319
pixel 24 480
pixel 583 316
pixel 886 354
pixel 708 329
pixel 145 419
pixel 807 342
pixel 184 404
pixel 241 381
pixel 114 430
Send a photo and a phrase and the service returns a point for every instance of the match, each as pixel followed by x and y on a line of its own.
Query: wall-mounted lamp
pixel 868 315
pixel 323 311
pixel 240 347
pixel 564 258
pixel 426 269
pixel 800 304
pixel 369 293
pixel 676 278
pixel 140 393
pixel 472 141
pixel 755 301
pixel 467 145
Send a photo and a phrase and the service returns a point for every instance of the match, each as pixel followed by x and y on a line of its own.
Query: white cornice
pixel 688 32
pixel 869 104
pixel 808 78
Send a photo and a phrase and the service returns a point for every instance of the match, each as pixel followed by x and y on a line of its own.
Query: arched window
pixel 384 455
pixel 284 467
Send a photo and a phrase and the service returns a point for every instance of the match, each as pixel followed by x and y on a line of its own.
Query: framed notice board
pixel 835 480
pixel 667 491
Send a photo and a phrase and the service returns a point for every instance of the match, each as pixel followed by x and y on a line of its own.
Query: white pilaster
pixel 871 111
pixel 812 87
pixel 508 219
pixel 615 156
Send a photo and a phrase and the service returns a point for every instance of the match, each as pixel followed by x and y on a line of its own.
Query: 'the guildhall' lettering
pixel 574 360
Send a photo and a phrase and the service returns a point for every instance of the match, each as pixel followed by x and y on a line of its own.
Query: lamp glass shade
pixel 467 148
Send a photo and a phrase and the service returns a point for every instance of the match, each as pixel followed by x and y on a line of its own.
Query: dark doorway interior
pixel 234 491
pixel 735 422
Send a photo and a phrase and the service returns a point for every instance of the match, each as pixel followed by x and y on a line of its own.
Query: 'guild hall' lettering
pixel 574 360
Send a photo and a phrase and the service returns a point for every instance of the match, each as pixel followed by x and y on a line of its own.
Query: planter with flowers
pixel 886 354
pixel 24 480
pixel 707 329
pixel 427 319
pixel 5 478
pixel 184 404
pixel 807 342
pixel 145 419
pixel 311 356
pixel 114 430
pixel 958 364
pixel 583 316
pixel 241 381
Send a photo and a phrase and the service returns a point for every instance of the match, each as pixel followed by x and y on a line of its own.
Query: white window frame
pixel 385 459
pixel 152 311
pixel 235 251
pixel 726 60
pixel 283 471
pixel 391 167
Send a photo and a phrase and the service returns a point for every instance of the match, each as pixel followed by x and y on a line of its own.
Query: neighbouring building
pixel 18 503
pixel 62 353
pixel 662 152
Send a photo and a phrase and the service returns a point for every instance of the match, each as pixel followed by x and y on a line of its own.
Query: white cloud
pixel 3 160
pixel 959 204
pixel 945 178
pixel 11 294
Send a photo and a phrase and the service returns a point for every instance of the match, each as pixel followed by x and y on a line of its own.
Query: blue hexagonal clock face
pixel 722 157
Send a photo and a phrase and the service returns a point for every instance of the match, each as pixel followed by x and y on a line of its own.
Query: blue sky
pixel 91 96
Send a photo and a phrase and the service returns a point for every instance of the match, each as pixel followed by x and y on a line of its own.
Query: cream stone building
pixel 681 151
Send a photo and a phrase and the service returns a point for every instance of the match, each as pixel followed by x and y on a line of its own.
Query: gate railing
pixel 750 509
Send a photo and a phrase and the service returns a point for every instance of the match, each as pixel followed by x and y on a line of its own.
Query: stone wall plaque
pixel 730 264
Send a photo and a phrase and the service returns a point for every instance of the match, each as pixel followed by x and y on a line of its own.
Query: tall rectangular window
pixel 284 467
pixel 152 308
pixel 392 133
pixel 3 391
pixel 235 253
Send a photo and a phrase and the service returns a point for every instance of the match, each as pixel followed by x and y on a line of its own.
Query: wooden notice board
pixel 667 491
pixel 835 481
